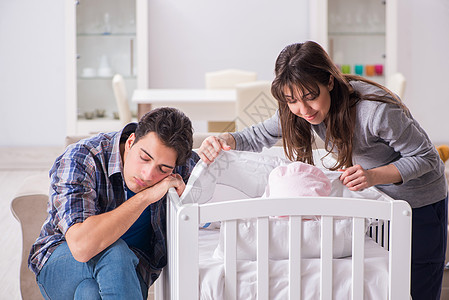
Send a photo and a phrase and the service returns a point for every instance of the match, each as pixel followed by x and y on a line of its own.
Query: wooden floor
pixel 16 164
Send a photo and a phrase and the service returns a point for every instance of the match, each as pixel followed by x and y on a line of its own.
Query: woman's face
pixel 312 109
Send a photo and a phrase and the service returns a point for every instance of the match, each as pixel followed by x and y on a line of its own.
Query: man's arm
pixel 97 232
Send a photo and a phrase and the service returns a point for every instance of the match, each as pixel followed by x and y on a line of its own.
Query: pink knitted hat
pixel 297 179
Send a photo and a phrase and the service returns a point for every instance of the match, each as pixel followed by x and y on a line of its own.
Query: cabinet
pixel 360 36
pixel 102 40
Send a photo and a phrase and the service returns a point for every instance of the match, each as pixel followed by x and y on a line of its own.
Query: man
pixel 104 236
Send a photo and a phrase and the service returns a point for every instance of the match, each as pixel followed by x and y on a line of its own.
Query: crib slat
pixel 294 263
pixel 230 259
pixel 262 258
pixel 326 257
pixel 379 232
pixel 358 257
pixel 386 232
pixel 172 245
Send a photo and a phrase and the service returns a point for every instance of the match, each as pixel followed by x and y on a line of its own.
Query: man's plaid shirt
pixel 87 180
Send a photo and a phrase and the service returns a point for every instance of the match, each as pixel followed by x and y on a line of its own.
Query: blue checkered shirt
pixel 87 180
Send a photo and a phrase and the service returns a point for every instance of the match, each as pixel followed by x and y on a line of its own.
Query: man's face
pixel 146 162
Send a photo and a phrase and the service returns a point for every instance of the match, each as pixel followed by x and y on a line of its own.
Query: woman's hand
pixel 357 178
pixel 212 146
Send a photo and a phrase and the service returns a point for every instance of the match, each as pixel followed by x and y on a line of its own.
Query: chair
pixel 121 98
pixel 255 103
pixel 29 207
pixel 226 79
pixel 396 84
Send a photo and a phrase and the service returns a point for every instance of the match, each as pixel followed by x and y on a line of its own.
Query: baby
pixel 296 180
pixel 292 180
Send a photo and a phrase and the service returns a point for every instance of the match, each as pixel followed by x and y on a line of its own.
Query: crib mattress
pixel 212 274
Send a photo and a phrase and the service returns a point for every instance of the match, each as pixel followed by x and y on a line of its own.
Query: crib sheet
pixel 212 273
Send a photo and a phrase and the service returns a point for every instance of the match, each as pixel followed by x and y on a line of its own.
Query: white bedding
pixel 212 274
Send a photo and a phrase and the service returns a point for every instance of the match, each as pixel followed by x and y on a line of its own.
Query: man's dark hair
pixel 172 126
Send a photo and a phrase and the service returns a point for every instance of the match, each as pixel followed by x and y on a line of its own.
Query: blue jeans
pixel 109 275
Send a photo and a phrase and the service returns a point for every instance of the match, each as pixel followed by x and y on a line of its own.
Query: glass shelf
pixel 124 34
pixel 103 77
pixel 356 33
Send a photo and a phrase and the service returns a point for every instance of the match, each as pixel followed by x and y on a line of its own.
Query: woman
pixel 375 138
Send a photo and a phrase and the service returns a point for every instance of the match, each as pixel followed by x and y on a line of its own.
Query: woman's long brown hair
pixel 300 67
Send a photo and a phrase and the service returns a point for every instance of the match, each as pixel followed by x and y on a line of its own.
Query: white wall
pixel 32 110
pixel 423 47
pixel 191 37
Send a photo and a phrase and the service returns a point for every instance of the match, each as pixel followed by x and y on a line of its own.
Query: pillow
pixel 235 169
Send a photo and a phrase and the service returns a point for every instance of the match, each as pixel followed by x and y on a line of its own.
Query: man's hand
pixel 97 232
pixel 158 190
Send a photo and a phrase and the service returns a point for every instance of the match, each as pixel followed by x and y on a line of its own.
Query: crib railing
pixel 295 229
pixel 394 217
pixel 379 232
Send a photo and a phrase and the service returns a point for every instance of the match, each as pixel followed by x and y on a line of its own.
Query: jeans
pixel 429 236
pixel 111 274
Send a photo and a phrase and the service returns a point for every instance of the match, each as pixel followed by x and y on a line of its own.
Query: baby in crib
pixel 297 180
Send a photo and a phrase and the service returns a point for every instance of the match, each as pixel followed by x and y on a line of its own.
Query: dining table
pixel 197 104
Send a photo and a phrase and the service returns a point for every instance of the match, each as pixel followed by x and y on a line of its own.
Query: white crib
pixel 182 278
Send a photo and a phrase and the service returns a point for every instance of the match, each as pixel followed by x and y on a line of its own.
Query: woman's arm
pixel 417 154
pixel 356 178
pixel 391 147
pixel 264 134
pixel 253 138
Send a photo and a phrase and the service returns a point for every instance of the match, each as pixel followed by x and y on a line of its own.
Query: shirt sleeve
pixel 255 137
pixel 394 126
pixel 73 190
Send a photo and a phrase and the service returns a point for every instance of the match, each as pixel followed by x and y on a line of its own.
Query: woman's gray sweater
pixel 384 134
